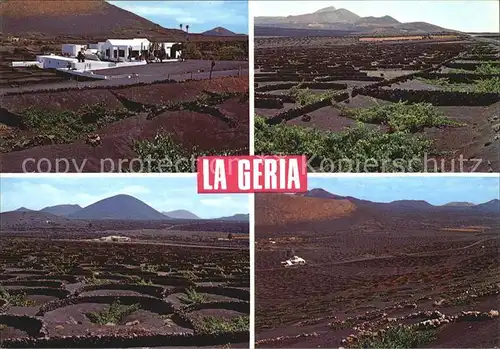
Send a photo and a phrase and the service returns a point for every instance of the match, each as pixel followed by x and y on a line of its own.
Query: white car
pixel 294 261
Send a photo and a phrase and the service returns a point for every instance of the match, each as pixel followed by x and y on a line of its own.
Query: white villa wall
pixel 97 46
pixel 126 45
pixel 168 47
pixel 72 49
pixel 54 62
pixel 97 65
pixel 25 64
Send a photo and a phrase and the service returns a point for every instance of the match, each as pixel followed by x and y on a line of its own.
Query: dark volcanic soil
pixel 84 277
pixel 188 128
pixel 473 147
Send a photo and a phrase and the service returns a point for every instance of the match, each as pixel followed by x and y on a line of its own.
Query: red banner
pixel 252 174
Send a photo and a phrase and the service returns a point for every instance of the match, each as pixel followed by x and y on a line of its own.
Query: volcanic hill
pixel 318 205
pixel 181 214
pixel 61 210
pixel 219 31
pixel 16 219
pixel 282 209
pixel 23 209
pixel 121 206
pixel 90 18
pixel 239 217
pixel 342 21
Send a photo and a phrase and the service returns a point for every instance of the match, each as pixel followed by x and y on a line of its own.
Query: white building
pixel 169 48
pixel 54 62
pixel 72 49
pixel 113 53
pixel 114 238
pixel 97 46
pixel 130 49
pixel 123 49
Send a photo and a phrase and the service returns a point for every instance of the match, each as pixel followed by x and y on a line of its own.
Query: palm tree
pixel 180 26
pixel 187 28
pixel 187 32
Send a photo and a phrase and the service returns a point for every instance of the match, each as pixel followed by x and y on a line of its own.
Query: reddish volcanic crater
pixel 432 269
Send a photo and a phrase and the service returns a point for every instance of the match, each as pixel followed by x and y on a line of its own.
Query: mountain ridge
pixel 416 204
pixel 180 214
pixel 238 217
pixel 121 206
pixel 318 206
pixel 61 210
pixel 96 19
pixel 331 18
pixel 135 209
pixel 220 31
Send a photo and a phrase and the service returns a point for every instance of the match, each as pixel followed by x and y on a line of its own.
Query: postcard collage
pixel 250 174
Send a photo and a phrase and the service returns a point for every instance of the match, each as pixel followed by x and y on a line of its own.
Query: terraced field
pixel 416 107
pixel 82 293
pixel 106 129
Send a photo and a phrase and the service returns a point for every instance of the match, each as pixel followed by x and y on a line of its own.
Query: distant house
pixel 115 238
pixel 173 50
pixel 121 50
pixel 71 50
pixel 113 53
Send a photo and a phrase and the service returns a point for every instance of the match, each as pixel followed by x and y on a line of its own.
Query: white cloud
pixel 187 19
pixel 158 10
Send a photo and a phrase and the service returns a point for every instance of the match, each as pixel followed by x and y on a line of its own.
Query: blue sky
pixel 435 190
pixel 163 194
pixel 200 15
pixel 469 15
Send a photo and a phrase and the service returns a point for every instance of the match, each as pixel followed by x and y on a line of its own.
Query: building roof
pixel 59 58
pixel 127 42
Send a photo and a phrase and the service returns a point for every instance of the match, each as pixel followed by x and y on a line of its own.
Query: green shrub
pixel 305 96
pixel 216 326
pixel 190 275
pixel 193 297
pixel 480 86
pixel 65 126
pixel 163 154
pixel 113 313
pixel 93 280
pixel 63 264
pixel 17 300
pixel 488 85
pixel 402 116
pixel 229 53
pixel 397 337
pixel 143 282
pixel 150 268
pixel 354 146
pixel 483 69
pixel 487 69
pixel 191 51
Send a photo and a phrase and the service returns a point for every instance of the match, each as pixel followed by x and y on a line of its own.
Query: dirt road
pixel 420 254
pixel 124 81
